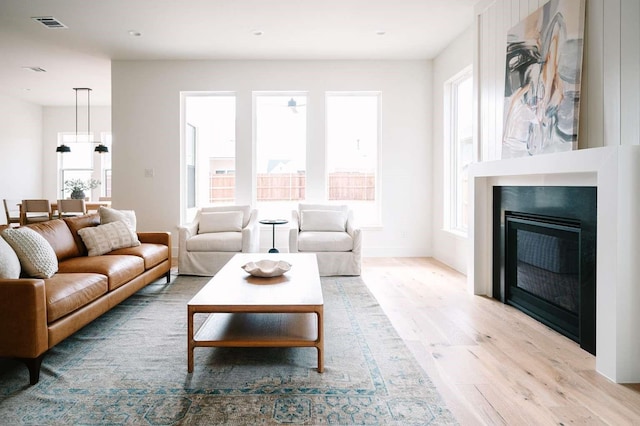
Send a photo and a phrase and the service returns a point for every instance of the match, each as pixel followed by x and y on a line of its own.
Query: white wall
pixel 20 150
pixel 63 119
pixel 146 132
pixel 449 248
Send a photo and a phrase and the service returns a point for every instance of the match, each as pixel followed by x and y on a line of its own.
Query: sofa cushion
pixel 105 238
pixel 118 268
pixel 219 241
pixel 57 233
pixel 153 254
pixel 79 222
pixel 67 293
pixel 324 241
pixel 37 258
pixel 9 262
pixel 220 222
pixel 108 215
pixel 323 220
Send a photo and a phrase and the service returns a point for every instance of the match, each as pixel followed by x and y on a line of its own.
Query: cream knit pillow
pixel 37 258
pixel 9 262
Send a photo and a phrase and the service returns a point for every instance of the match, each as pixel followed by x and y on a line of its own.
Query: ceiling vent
pixel 35 69
pixel 49 22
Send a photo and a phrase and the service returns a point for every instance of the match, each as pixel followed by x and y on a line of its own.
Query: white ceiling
pixel 98 31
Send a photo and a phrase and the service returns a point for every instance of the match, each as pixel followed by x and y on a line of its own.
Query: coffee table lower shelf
pixel 250 330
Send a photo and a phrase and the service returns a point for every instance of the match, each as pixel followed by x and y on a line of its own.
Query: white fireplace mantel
pixel 615 171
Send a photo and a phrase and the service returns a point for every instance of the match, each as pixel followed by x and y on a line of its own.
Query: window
pixel 459 141
pixel 281 137
pixel 77 164
pixel 84 163
pixel 352 152
pixel 190 157
pixel 210 150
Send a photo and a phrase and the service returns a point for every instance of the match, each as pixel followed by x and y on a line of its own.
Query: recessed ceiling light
pixel 258 32
pixel 381 32
pixel 134 33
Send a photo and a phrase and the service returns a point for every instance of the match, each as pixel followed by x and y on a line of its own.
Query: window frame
pixel 188 213
pixel 454 198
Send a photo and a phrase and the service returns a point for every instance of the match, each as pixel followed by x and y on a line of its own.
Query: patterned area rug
pixel 130 367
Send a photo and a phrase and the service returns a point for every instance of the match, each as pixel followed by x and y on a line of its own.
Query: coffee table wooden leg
pixel 320 343
pixel 190 341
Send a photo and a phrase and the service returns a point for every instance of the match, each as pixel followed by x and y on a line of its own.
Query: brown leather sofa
pixel 36 314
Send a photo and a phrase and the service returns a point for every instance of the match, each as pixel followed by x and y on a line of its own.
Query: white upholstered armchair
pixel 215 236
pixel 330 232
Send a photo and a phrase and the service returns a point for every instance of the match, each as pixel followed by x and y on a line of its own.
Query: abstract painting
pixel 542 84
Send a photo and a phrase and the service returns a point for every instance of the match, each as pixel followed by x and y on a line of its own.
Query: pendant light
pixel 65 148
pixel 100 149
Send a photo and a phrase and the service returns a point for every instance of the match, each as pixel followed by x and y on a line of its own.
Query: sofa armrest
pixel 355 232
pixel 163 238
pixel 23 318
pixel 184 233
pixel 294 229
pixel 251 234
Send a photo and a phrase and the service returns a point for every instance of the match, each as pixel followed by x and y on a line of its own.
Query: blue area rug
pixel 129 367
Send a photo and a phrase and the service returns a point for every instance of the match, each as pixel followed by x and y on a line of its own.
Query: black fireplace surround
pixel 544 256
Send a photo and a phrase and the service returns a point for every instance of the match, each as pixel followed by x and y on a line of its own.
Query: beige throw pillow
pixel 323 220
pixel 108 237
pixel 108 215
pixel 37 258
pixel 220 222
pixel 9 262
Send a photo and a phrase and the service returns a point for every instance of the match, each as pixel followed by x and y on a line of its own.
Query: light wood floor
pixel 492 364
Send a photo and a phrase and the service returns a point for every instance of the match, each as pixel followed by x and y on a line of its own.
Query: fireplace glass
pixel 542 263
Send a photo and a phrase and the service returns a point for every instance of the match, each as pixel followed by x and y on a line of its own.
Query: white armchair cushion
pixel 323 220
pixel 215 242
pixel 245 209
pixel 323 241
pixel 220 222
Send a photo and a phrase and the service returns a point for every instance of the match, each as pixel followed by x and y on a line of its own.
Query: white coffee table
pixel 285 311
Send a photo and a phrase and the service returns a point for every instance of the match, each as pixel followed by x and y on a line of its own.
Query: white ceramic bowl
pixel 267 268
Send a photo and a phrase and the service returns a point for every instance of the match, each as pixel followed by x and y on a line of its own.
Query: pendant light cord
pixel 89 115
pixel 76 115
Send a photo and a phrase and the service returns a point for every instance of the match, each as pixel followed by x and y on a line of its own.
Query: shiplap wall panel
pixel 515 12
pixel 494 99
pixel 610 92
pixel 593 115
pixel 611 73
pixel 630 72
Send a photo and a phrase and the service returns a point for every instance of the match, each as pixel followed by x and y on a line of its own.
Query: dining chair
pixel 71 207
pixel 12 211
pixel 32 211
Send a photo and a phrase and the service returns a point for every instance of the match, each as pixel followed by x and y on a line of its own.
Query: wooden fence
pixel 291 186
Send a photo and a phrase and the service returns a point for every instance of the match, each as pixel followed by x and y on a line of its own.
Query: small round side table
pixel 273 223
